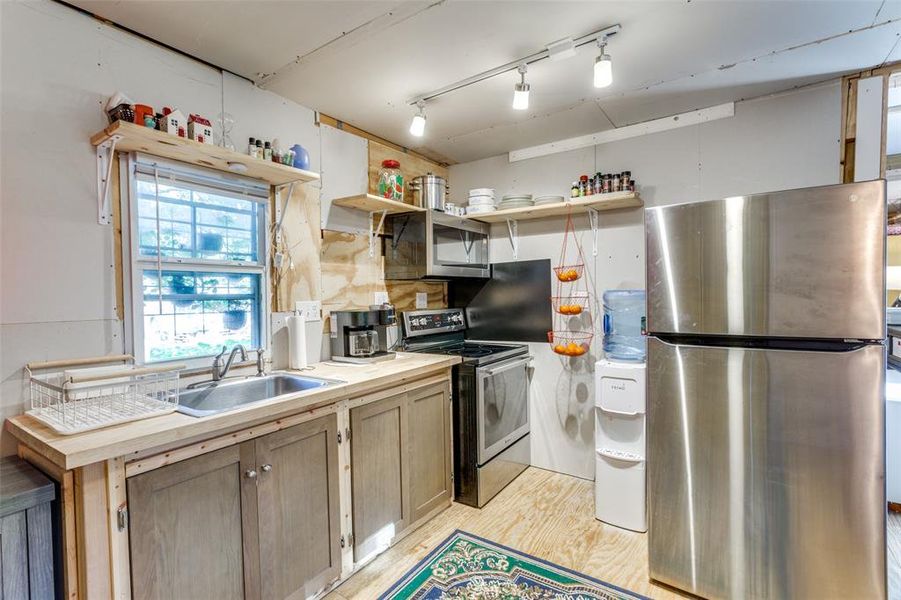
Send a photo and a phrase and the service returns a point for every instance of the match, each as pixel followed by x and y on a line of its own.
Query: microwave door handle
pixel 467 244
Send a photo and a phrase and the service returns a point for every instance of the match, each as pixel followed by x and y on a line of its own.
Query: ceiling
pixel 362 61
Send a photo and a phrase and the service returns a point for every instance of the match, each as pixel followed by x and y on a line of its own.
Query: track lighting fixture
pixel 603 66
pixel 603 72
pixel 521 90
pixel 417 127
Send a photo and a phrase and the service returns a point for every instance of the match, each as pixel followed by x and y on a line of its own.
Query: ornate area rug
pixel 469 567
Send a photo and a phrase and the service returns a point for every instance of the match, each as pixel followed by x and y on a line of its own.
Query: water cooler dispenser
pixel 620 406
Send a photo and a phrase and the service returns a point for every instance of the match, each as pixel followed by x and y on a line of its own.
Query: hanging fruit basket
pixel 570 343
pixel 573 298
pixel 569 273
pixel 574 304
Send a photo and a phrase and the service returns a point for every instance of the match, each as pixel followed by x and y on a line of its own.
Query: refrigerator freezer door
pixel 766 471
pixel 805 263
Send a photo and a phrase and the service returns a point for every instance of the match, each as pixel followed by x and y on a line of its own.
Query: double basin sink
pixel 230 394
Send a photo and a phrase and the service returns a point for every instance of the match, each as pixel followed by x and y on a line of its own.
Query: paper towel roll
pixel 297 342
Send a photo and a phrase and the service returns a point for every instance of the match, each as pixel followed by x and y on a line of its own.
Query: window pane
pixel 192 314
pixel 196 224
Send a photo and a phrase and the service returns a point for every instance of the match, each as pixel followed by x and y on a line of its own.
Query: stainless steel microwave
pixel 434 245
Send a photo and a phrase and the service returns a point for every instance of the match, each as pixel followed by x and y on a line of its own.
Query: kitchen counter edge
pixel 73 451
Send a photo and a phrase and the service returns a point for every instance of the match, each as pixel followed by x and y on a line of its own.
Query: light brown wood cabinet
pixel 255 520
pixel 400 464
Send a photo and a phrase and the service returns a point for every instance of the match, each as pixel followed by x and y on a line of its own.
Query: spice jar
pixel 606 184
pixel 617 183
pixel 598 183
pixel 574 192
pixel 626 177
pixel 391 181
pixel 583 186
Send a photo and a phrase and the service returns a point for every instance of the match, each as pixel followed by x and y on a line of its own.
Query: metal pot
pixel 430 191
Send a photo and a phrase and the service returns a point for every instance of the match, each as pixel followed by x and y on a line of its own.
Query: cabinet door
pixel 429 449
pixel 186 529
pixel 299 530
pixel 379 474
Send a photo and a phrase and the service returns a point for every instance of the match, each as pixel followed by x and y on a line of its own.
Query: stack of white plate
pixel 543 200
pixel 516 201
pixel 481 200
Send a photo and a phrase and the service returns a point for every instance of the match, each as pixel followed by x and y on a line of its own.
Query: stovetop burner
pixel 472 350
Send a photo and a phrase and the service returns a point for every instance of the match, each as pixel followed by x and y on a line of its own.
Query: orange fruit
pixel 572 349
pixel 575 309
pixel 560 349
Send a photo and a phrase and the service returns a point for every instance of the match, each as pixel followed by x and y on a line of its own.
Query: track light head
pixel 603 66
pixel 417 126
pixel 521 90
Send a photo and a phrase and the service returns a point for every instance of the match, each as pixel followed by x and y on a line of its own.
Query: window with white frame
pixel 195 256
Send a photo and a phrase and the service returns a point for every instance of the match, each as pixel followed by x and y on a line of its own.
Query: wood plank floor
pixel 545 514
pixel 550 516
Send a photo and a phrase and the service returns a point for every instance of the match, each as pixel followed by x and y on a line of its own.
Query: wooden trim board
pixel 371 203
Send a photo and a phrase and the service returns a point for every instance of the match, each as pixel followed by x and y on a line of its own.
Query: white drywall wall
pixel 57 289
pixel 783 142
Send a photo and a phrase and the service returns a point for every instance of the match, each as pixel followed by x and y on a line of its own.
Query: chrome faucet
pixel 218 370
pixel 261 362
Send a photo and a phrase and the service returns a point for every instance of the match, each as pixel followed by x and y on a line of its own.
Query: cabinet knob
pixel 266 468
pixel 250 473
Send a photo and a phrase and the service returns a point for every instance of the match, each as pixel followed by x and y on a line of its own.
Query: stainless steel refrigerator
pixel 766 369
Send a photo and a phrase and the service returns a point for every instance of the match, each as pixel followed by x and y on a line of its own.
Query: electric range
pixel 490 402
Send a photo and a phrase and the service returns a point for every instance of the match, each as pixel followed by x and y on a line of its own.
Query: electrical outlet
pixel 310 310
pixel 380 298
pixel 422 300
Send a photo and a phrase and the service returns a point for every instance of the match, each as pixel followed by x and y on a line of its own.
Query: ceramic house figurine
pixel 174 122
pixel 200 129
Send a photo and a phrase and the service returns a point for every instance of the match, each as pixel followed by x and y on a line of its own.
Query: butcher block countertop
pixel 71 451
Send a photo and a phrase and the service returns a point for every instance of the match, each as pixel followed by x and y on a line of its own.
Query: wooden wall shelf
pixel 376 204
pixel 611 201
pixel 130 137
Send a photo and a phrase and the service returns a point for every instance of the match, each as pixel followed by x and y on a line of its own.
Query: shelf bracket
pixel 281 208
pixel 105 152
pixel 593 219
pixel 513 234
pixel 374 232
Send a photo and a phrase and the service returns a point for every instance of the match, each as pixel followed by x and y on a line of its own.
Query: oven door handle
pixel 504 366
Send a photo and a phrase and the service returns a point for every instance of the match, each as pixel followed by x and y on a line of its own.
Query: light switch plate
pixel 310 310
pixel 380 298
pixel 422 300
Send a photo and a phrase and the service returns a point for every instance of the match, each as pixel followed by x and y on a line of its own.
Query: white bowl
pixel 481 201
pixel 482 192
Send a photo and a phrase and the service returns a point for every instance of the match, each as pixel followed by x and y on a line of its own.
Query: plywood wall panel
pixel 410 165
pixel 300 280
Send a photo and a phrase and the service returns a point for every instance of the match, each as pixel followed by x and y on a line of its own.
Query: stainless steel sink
pixel 231 394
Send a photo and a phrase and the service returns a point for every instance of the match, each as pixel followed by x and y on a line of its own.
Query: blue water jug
pixel 624 316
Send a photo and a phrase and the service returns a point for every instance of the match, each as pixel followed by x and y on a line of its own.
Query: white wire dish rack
pixel 73 396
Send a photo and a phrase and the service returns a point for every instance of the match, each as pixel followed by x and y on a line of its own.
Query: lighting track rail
pixel 590 38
